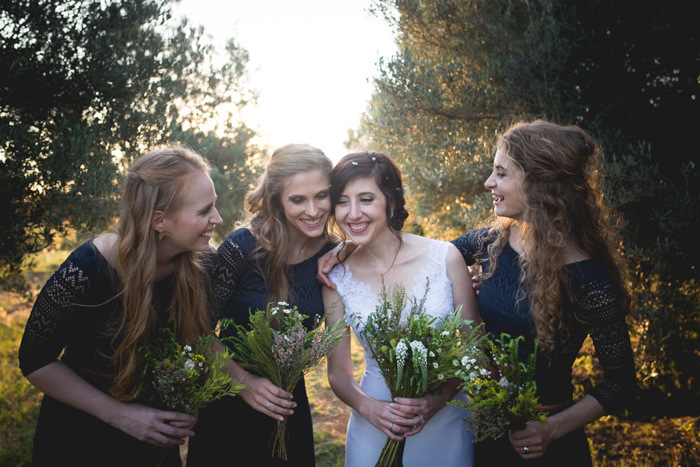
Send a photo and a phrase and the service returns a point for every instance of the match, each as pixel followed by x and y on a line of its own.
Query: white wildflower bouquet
pixel 501 388
pixel 279 347
pixel 183 378
pixel 414 351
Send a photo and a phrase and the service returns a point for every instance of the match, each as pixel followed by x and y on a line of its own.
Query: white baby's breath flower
pixel 435 365
pixel 189 365
pixel 283 303
pixel 440 377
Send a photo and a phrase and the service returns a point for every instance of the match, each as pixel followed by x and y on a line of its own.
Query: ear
pixel 158 221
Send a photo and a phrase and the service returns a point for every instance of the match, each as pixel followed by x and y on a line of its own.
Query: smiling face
pixel 361 211
pixel 505 184
pixel 192 225
pixel 306 203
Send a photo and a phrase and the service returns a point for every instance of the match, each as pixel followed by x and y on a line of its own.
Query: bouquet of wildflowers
pixel 501 389
pixel 414 351
pixel 184 378
pixel 279 347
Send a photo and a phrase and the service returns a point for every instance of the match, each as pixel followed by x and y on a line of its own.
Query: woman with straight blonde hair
pixel 272 259
pixel 105 301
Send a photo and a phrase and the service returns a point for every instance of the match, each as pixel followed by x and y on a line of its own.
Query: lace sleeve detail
pixel 231 263
pixel 469 244
pixel 599 306
pixel 53 317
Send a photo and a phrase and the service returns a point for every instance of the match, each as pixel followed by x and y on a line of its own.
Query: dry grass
pixel 615 441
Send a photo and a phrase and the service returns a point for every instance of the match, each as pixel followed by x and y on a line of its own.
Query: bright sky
pixel 312 62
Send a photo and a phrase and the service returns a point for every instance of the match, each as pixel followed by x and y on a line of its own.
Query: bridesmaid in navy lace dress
pixel 272 259
pixel 551 271
pixel 102 304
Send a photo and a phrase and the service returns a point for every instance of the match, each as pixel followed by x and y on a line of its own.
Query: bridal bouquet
pixel 278 346
pixel 501 389
pixel 183 378
pixel 414 351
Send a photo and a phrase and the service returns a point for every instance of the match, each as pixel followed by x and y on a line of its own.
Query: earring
pixel 164 234
pixel 391 215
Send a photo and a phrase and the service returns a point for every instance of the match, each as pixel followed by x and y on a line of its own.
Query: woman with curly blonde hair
pixel 552 273
pixel 105 301
pixel 272 259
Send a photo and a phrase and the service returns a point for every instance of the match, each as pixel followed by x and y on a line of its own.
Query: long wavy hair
pixel 564 205
pixel 266 219
pixel 154 182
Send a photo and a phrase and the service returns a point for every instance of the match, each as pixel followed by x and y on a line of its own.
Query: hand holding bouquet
pixel 501 389
pixel 279 347
pixel 184 378
pixel 414 351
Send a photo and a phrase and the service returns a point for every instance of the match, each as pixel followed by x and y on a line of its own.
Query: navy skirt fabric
pixel 229 432
pixel 68 436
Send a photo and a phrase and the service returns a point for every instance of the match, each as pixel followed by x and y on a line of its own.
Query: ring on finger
pixel 422 422
pixel 391 426
pixel 526 449
pixel 268 404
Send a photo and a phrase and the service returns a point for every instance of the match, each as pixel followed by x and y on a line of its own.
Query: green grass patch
pixel 19 401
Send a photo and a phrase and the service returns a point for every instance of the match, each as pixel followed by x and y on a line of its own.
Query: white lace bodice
pixel 360 300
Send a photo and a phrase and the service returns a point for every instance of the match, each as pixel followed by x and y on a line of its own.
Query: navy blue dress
pixel 76 312
pixel 596 311
pixel 229 431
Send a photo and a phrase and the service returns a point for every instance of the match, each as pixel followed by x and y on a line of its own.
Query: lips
pixel 497 199
pixel 312 222
pixel 358 227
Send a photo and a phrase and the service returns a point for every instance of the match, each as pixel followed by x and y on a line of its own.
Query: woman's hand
pixel 266 398
pixel 391 421
pixel 326 262
pixel 324 265
pixel 418 410
pixel 158 427
pixel 532 442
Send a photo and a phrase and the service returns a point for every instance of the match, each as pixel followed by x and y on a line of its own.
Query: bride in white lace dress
pixel 369 205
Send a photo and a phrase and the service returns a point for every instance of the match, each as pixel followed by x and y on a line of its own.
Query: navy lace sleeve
pixel 231 265
pixel 56 315
pixel 469 244
pixel 599 306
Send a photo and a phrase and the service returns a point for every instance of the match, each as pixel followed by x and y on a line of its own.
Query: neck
pixel 382 252
pixel 165 263
pixel 300 249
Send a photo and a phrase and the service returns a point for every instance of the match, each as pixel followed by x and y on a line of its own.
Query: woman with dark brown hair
pixel 552 273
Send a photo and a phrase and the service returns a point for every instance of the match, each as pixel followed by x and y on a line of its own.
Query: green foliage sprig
pixel 279 347
pixel 183 378
pixel 413 350
pixel 501 389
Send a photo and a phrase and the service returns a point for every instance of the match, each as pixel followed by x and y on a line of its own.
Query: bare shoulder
pixel 106 244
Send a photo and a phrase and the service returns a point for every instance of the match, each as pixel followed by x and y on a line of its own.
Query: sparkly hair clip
pixel 355 163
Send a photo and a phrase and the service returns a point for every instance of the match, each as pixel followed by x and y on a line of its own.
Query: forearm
pixel 583 412
pixel 60 382
pixel 346 388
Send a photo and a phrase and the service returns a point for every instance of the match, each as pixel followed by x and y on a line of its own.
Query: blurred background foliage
pixel 627 73
pixel 86 86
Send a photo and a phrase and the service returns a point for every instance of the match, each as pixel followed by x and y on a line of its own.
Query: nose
pixel 355 211
pixel 216 218
pixel 312 209
pixel 490 182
